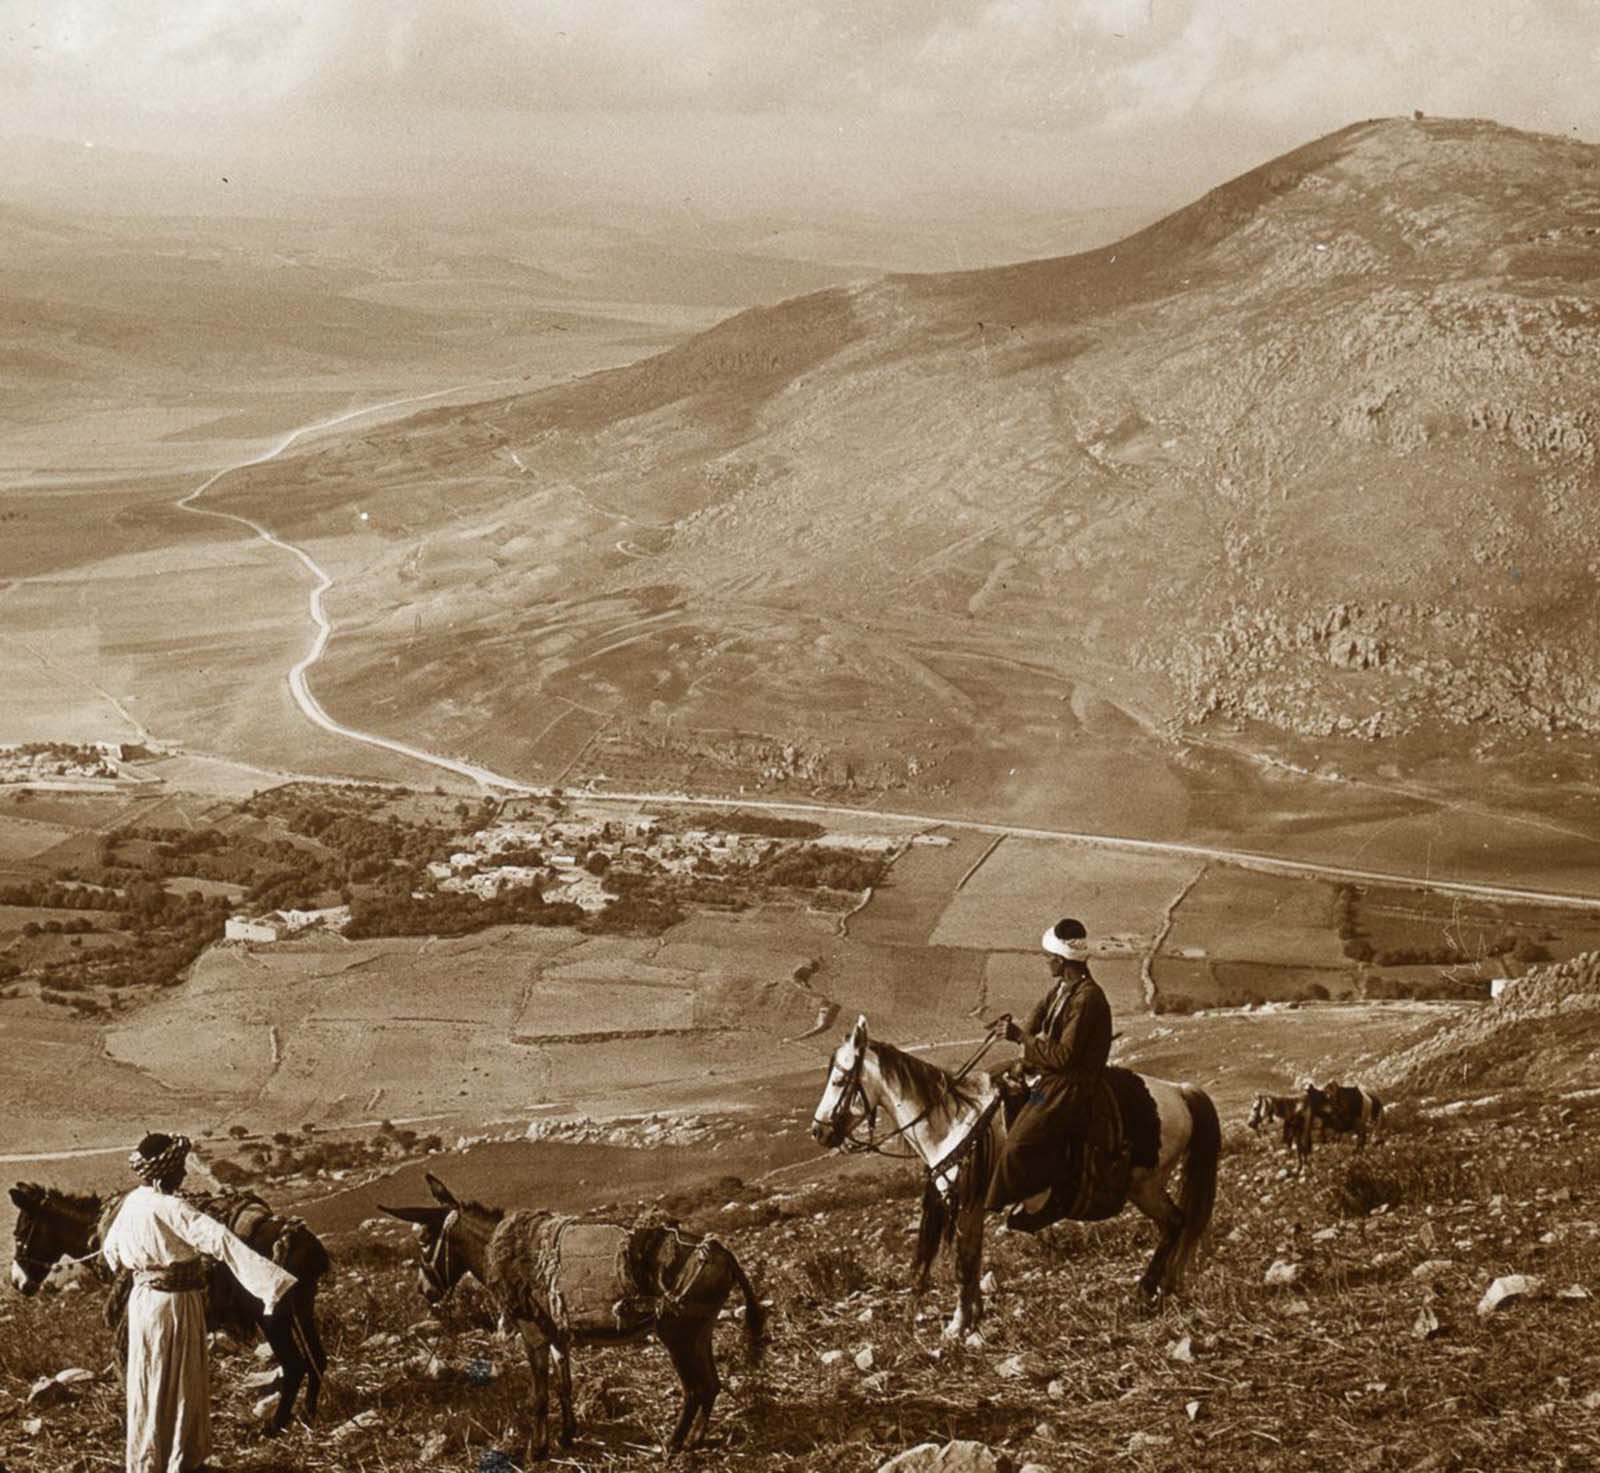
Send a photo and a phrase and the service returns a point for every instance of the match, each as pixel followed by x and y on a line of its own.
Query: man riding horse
pixel 1065 1045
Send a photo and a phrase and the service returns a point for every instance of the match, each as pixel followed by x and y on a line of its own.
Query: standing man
pixel 160 1237
pixel 1066 1043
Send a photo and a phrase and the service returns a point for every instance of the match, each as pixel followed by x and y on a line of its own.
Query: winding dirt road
pixel 298 682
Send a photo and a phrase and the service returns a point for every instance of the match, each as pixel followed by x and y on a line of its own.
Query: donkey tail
pixel 1199 1194
pixel 755 1315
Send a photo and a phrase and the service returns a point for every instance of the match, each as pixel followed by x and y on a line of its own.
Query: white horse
pixel 956 1127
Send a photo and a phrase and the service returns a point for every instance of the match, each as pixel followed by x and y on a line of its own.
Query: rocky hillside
pixel 1316 451
pixel 1543 1032
pixel 1429 1304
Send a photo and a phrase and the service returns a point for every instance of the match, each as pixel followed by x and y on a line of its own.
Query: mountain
pixel 1311 458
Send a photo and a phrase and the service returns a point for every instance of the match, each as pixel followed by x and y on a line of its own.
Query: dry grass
pixel 1325 1373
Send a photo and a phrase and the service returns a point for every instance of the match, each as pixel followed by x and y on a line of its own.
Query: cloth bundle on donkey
pixel 573 1275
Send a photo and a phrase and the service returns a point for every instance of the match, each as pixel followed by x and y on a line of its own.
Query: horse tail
pixel 755 1316
pixel 1199 1194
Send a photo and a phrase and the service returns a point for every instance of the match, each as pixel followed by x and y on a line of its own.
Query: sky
pixel 744 106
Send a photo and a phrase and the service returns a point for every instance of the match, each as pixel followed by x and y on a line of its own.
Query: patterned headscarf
pixel 154 1162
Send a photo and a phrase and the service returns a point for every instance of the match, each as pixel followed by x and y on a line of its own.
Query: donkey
pixel 957 1128
pixel 566 1281
pixel 52 1225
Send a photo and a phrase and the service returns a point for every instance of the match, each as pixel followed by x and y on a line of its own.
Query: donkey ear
pixel 858 1034
pixel 441 1193
pixel 23 1194
pixel 426 1216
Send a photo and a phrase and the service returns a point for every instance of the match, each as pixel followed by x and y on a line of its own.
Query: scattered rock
pixel 831 1357
pixel 1573 1291
pixel 1426 1326
pixel 1432 1269
pixel 1191 1410
pixel 1512 1286
pixel 47 1392
pixel 263 1407
pixel 878 1381
pixel 1181 1349
pixel 1282 1274
pixel 358 1423
pixel 974 1340
pixel 864 1358
pixel 989 1284
pixel 1056 1390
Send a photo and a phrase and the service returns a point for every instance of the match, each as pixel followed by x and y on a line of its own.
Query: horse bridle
pixel 436 1262
pixel 839 1127
pixel 852 1144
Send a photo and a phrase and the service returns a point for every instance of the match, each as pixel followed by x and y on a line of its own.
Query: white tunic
pixel 169 1396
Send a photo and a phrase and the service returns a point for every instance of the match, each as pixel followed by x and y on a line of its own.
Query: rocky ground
pixel 1424 1304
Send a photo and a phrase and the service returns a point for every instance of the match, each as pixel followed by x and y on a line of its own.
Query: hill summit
pixel 1316 452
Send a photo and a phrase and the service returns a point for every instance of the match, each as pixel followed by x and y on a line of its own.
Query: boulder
pixel 953 1457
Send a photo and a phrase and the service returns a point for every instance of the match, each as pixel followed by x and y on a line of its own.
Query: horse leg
pixel 538 1349
pixel 306 1319
pixel 930 1232
pixel 561 1353
pixel 678 1337
pixel 1151 1198
pixel 969 1270
pixel 278 1330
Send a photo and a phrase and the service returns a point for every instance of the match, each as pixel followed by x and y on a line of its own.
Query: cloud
pixel 929 87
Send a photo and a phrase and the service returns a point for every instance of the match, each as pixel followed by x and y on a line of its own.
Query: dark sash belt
pixel 174 1278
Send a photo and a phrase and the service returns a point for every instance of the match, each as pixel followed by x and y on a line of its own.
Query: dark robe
pixel 1067 1043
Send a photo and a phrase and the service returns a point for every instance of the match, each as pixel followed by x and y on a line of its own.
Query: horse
pixel 54 1225
pixel 956 1126
pixel 1347 1109
pixel 652 1276
pixel 1295 1114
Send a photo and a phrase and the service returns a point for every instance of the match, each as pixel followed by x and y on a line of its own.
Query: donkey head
pixel 443 1261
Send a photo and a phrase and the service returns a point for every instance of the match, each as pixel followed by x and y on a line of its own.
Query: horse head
pixel 844 1104
pixel 443 1259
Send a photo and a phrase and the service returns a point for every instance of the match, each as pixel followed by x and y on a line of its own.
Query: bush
pixel 831 1275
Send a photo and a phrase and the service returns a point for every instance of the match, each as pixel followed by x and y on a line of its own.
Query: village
pixel 44 764
pixel 580 856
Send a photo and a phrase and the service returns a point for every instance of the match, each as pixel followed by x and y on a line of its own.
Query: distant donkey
pixel 1346 1109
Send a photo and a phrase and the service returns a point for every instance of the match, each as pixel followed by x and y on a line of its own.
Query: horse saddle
pixel 1095 1164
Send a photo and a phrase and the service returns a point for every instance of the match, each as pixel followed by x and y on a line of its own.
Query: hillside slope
pixel 1316 452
